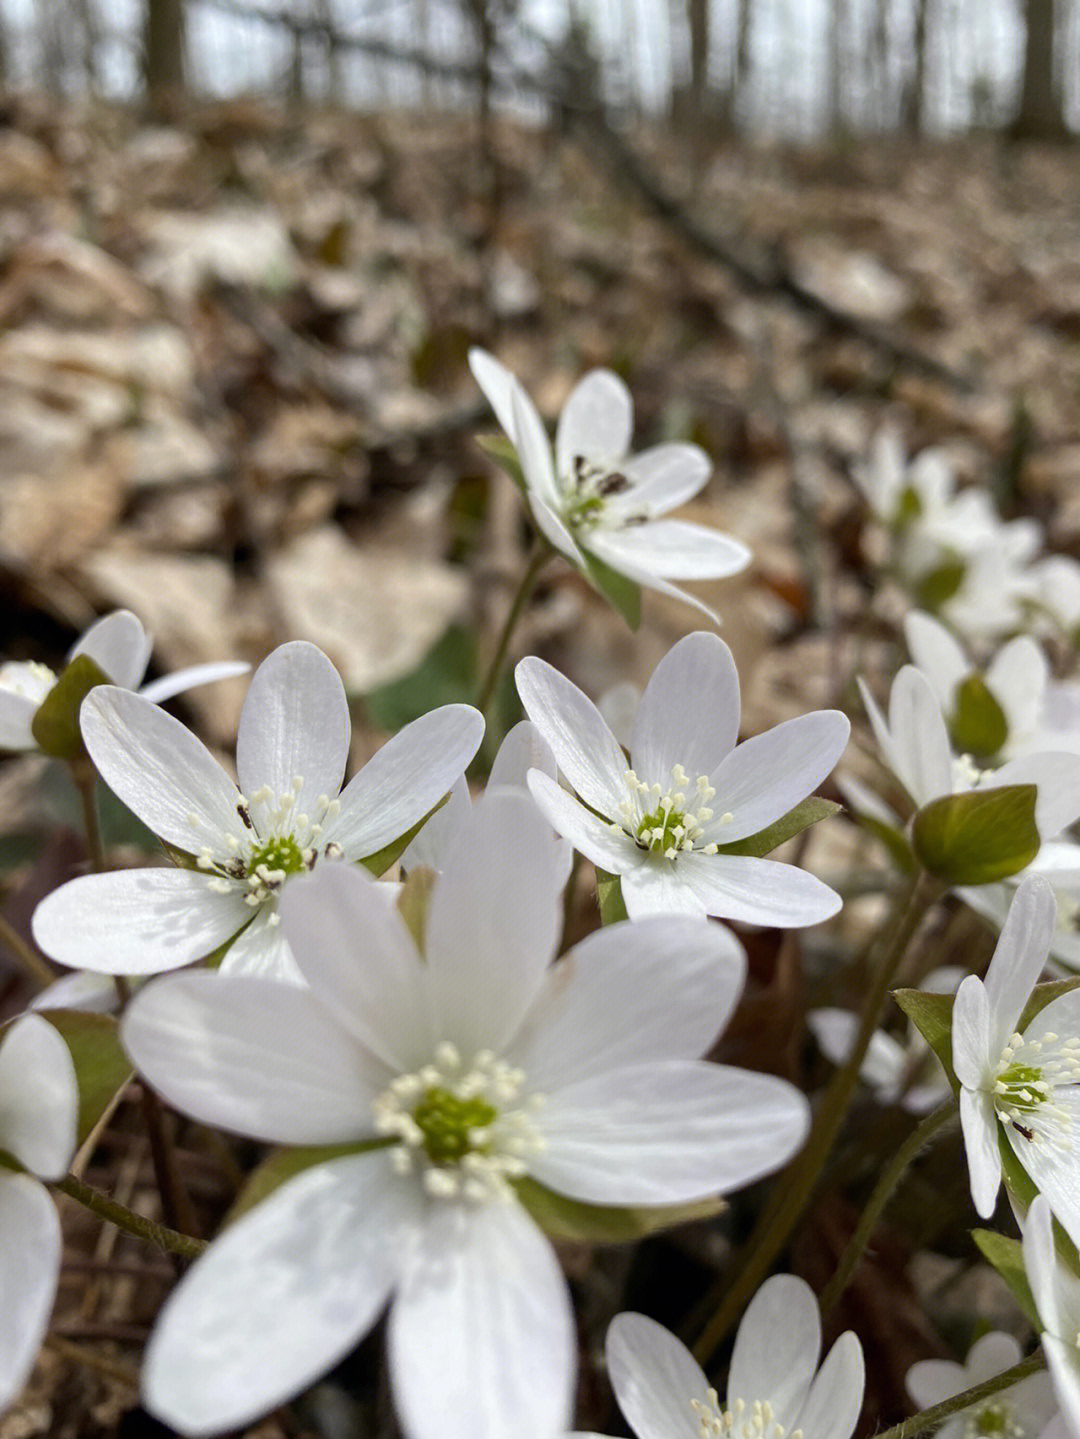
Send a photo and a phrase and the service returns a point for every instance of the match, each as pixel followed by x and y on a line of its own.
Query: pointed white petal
pixel 603 843
pixel 919 735
pixel 584 748
pixel 253 1056
pixel 119 645
pixel 656 989
pixel 696 678
pixel 39 1097
pixel 481 1334
pixel 30 1247
pixel 776 1348
pixel 675 550
pixel 655 1378
pixel 360 960
pixel 160 770
pixel 756 891
pixel 534 449
pixel 494 922
pixel 294 726
pixel 405 779
pixel 137 921
pixel 180 681
pixel 1019 957
pixel 764 777
pixel 1057 775
pixel 280 1296
pixel 979 1123
pixel 971 1054
pixel 262 950
pixel 938 654
pixel 496 381
pixel 667 1132
pixel 832 1407
pixel 596 422
pixel 664 477
pixel 889 753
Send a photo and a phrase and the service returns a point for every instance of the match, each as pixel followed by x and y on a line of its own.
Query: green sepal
pixel 610 896
pixel 939 585
pixel 806 813
pixel 503 451
pixel 563 1218
pixel 979 837
pixel 616 588
pixel 978 725
pixel 414 901
pixel 931 1014
pixel 909 507
pixel 1044 994
pixel 101 1066
pixel 379 862
pixel 1007 1257
pixel 55 726
pixel 286 1164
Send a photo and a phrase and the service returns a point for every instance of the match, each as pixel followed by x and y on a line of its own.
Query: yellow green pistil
pixel 993 1421
pixel 668 822
pixel 1022 1087
pixel 588 486
pixel 741 1421
pixel 280 856
pixel 1028 1074
pixel 448 1123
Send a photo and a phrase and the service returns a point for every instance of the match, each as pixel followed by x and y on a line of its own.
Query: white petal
pixel 1053 1167
pixel 878 724
pixel 494 922
pixel 180 681
pixel 756 891
pixel 695 681
pixel 16 717
pixel 1041 1262
pixel 137 921
pixel 39 1097
pixel 605 545
pixel 160 770
pixel 667 1132
pixel 932 1380
pixel 596 422
pixel 294 726
pixel 30 1247
pixel 834 1030
pixel 655 1378
pixel 610 848
pixel 360 960
pixel 1017 678
pixel 862 800
pixel 554 530
pixel 1057 776
pixel 279 1297
pixel 439 834
pixel 654 886
pixel 656 989
pixel 763 778
pixel 936 652
pixel 534 449
pixel 672 550
pixel 1063 1358
pixel 990 1355
pixel 776 1348
pixel 971 1054
pixel 262 950
pixel 979 1123
pixel 832 1408
pixel 1019 957
pixel 918 732
pixel 663 477
pixel 253 1056
pixel 405 779
pixel 481 1336
pixel 524 748
pixel 585 750
pixel 119 646
pixel 496 381
pixel 96 993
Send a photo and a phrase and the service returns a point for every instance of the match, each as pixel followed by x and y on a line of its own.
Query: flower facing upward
pixel 244 845
pixel 659 821
pixel 478 1065
pixel 595 499
pixel 773 1391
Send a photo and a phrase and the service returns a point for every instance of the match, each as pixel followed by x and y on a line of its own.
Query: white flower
pixel 595 499
pixel 1022 1412
pixel 1020 1085
pixel 478 1064
pixel 689 788
pixel 774 1390
pixel 39 1106
pixel 914 744
pixel 120 647
pixel 1056 1291
pixel 247 843
pixel 900 1071
pixel 1054 591
pixel 1058 862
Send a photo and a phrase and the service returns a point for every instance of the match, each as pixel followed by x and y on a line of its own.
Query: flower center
pixel 1029 1073
pixel 993 1421
pixel 741 1421
pixel 588 486
pixel 668 821
pixel 458 1124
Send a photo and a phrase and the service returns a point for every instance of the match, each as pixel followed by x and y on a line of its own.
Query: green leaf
pixel 931 1014
pixel 563 1218
pixel 379 862
pixel 55 726
pixel 1044 994
pixel 101 1066
pixel 286 1164
pixel 1007 1257
pixel 808 812
pixel 503 452
pixel 446 675
pixel 979 837
pixel 619 591
pixel 609 894
pixel 939 585
pixel 977 725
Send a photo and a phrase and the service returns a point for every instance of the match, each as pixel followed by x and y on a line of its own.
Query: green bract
pixel 979 837
pixel 55 726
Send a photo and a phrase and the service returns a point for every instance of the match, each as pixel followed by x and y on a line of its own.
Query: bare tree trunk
pixel 697 18
pixel 1040 114
pixel 839 26
pixel 163 58
pixel 913 101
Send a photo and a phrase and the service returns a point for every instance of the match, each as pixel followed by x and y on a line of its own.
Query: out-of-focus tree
pixel 913 102
pixel 163 51
pixel 1040 116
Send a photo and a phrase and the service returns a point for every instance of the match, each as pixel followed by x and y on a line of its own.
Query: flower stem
pixel 882 1193
pixel 28 957
pixel 85 778
pixel 936 1415
pixel 532 574
pixel 169 1240
pixel 796 1186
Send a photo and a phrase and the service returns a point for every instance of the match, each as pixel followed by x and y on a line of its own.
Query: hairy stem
pixel 85 778
pixel 936 1415
pixel 169 1240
